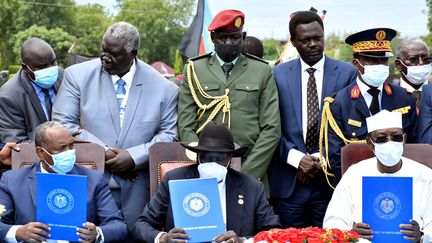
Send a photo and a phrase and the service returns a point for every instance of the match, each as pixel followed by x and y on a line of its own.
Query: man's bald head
pixel 34 46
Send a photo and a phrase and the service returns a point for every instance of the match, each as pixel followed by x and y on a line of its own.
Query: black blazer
pixel 246 219
pixel 20 109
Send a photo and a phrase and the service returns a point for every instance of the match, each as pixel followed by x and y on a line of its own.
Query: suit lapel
pixel 293 79
pixel 216 69
pixel 34 99
pixel 234 210
pixel 134 96
pixel 31 182
pixel 330 79
pixel 111 99
pixel 238 69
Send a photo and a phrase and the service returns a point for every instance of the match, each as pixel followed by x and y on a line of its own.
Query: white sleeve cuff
pixel 158 236
pixel 294 157
pixel 317 155
pixel 11 234
pixel 100 236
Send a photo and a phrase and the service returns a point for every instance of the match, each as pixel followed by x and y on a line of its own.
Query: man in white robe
pixel 345 208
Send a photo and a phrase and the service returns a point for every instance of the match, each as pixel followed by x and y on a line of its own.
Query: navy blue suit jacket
pixel 425 117
pixel 337 75
pixel 349 106
pixel 246 219
pixel 18 195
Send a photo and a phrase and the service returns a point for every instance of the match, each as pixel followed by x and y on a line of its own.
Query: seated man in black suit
pixel 245 209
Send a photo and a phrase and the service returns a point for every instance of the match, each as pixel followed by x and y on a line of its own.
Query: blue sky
pixel 269 18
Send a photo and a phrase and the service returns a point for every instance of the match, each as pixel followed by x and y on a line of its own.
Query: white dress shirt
pixel 410 88
pixel 368 97
pixel 128 78
pixel 345 207
pixel 294 155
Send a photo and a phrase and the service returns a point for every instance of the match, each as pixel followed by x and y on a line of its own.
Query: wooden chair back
pixel 166 156
pixel 89 155
pixel 353 153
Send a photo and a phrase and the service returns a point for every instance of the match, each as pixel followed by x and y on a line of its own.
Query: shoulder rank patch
pixel 355 92
pixel 388 89
pixel 403 110
pixel 354 123
pixel 255 58
pixel 200 57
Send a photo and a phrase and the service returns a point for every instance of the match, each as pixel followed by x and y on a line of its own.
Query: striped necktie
pixel 120 92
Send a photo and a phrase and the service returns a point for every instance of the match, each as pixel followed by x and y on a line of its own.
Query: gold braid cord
pixel 326 119
pixel 218 102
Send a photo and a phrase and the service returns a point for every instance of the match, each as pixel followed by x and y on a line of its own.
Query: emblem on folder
pixel 196 204
pixel 387 206
pixel 60 201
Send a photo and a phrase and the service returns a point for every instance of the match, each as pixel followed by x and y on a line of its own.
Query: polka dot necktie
pixel 312 113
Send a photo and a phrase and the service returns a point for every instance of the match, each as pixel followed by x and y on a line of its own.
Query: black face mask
pixel 228 52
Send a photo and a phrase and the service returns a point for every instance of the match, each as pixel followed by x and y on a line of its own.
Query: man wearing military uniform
pixel 234 88
pixel 366 96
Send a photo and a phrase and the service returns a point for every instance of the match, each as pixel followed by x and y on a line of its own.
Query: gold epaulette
pixel 403 110
pixel 326 120
pixel 218 103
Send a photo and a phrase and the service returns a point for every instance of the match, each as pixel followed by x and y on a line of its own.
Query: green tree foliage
pixel 8 15
pixel 178 65
pixel 57 38
pixel 272 49
pixel 91 23
pixel 161 24
pixel 48 13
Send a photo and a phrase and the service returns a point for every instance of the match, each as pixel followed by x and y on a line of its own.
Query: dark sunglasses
pixel 384 139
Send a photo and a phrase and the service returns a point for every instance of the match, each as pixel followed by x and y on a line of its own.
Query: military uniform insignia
pixel 380 35
pixel 355 92
pixel 354 123
pixel 403 110
pixel 388 89
pixel 238 22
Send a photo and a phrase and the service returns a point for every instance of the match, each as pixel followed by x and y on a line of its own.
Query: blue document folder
pixel 387 202
pixel 196 208
pixel 61 203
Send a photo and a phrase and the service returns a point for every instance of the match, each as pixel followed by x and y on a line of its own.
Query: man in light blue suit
pixel 121 103
pixel 18 193
pixel 298 188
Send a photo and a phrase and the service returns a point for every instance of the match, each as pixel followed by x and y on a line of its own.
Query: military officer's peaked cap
pixel 227 21
pixel 373 43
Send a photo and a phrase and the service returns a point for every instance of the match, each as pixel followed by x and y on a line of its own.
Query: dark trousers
pixel 306 206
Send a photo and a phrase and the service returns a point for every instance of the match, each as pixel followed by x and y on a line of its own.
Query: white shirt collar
pixel 319 66
pixel 410 88
pixel 364 88
pixel 128 77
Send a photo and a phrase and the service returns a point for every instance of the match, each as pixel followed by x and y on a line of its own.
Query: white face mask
pixel 212 170
pixel 375 75
pixel 389 153
pixel 418 74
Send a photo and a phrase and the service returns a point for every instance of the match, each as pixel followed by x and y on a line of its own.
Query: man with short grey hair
pixel 125 105
pixel 413 61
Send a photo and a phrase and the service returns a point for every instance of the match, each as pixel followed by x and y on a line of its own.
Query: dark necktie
pixel 312 112
pixel 227 68
pixel 48 103
pixel 120 92
pixel 374 106
pixel 417 95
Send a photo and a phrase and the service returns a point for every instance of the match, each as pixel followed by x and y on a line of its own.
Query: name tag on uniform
pixel 354 123
pixel 403 110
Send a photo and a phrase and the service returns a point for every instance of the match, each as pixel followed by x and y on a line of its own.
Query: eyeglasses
pixel 384 139
pixel 416 60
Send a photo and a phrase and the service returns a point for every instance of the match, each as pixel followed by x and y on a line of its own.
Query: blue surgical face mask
pixel 63 162
pixel 375 75
pixel 45 78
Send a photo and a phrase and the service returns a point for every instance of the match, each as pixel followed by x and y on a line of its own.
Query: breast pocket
pixel 211 89
pixel 246 97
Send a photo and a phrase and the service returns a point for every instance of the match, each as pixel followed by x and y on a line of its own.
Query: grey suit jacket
pixel 87 101
pixel 20 109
